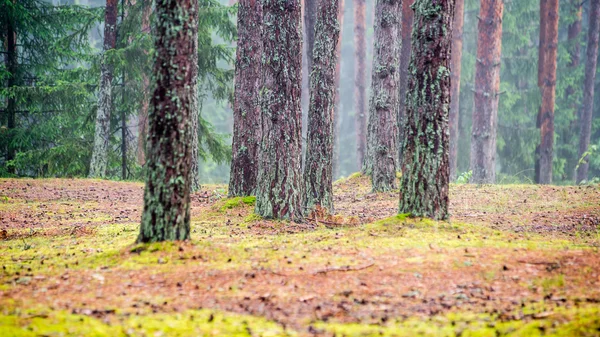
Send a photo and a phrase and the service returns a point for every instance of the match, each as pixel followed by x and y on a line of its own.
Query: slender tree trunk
pixel 278 188
pixel 588 88
pixel 143 113
pixel 455 70
pixel 360 90
pixel 405 36
pixel 195 116
pixel 574 47
pixel 487 86
pixel 318 168
pixel 166 213
pixel 12 66
pixel 123 111
pixel 246 106
pixel 310 17
pixel 381 157
pixel 99 161
pixel 337 110
pixel 548 89
pixel 425 172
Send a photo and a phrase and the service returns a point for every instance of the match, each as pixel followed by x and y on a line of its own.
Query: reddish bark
pixel 487 86
pixel 548 90
pixel 360 88
pixel 405 36
pixel 143 113
pixel 588 88
pixel 455 69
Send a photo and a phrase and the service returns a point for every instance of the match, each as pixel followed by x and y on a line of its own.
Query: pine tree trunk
pixel 318 167
pixel 143 113
pixel 588 88
pixel 278 188
pixel 166 214
pixel 487 87
pixel 425 172
pixel 12 65
pixel 405 34
pixel 99 160
pixel 310 16
pixel 195 117
pixel 574 47
pixel 548 89
pixel 246 106
pixel 360 90
pixel 382 139
pixel 455 70
pixel 337 110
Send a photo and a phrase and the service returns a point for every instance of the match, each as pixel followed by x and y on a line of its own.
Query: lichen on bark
pixel 425 171
pixel 318 168
pixel 279 187
pixel 166 214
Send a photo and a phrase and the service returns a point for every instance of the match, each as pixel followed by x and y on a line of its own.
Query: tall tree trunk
pixel 246 106
pixel 360 90
pixel 548 89
pixel 318 167
pixel 310 17
pixel 425 172
pixel 99 161
pixel 336 113
pixel 145 103
pixel 455 70
pixel 487 86
pixel 574 47
pixel 382 149
pixel 278 188
pixel 166 213
pixel 12 66
pixel 588 88
pixel 195 116
pixel 405 46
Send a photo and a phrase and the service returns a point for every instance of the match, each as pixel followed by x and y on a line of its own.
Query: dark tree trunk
pixel 548 89
pixel 487 86
pixel 166 213
pixel 336 113
pixel 360 90
pixel 278 189
pixel 455 69
pixel 425 172
pixel 99 161
pixel 588 89
pixel 246 107
pixel 382 139
pixel 12 66
pixel 143 113
pixel 310 16
pixel 405 35
pixel 318 167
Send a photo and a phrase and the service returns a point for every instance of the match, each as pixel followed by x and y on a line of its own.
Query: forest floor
pixel 519 260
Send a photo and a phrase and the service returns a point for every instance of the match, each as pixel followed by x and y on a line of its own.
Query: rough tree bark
pixel 547 85
pixel 310 16
pixel 405 36
pixel 318 167
pixel 246 107
pixel 336 113
pixel 145 103
pixel 455 70
pixel 585 123
pixel 360 90
pixel 381 157
pixel 424 184
pixel 166 214
pixel 487 86
pixel 278 188
pixel 99 160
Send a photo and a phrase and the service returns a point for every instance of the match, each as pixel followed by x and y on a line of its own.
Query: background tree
pixel 382 139
pixel 486 92
pixel 547 82
pixel 360 84
pixel 278 193
pixel 166 214
pixel 455 68
pixel 337 110
pixel 424 184
pixel 585 123
pixel 318 167
pixel 310 17
pixel 405 45
pixel 246 107
pixel 102 134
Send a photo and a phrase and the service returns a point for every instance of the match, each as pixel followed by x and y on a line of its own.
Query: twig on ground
pixel 344 268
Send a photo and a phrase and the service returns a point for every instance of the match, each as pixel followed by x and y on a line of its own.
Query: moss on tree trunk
pixel 318 167
pixel 278 189
pixel 425 171
pixel 166 214
pixel 381 157
pixel 246 106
